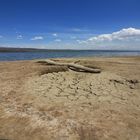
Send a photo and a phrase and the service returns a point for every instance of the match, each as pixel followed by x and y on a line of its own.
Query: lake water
pixel 58 54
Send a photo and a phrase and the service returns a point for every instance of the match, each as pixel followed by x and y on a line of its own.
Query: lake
pixel 12 56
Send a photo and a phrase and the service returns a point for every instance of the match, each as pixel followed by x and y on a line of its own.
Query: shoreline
pixel 65 54
pixel 68 58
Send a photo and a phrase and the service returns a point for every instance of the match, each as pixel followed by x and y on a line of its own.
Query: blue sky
pixel 70 24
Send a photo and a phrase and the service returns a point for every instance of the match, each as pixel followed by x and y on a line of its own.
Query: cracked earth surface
pixel 85 87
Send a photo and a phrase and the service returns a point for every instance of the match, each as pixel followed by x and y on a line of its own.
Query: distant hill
pixel 9 49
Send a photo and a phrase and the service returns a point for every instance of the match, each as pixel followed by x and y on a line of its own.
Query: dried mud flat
pixel 43 102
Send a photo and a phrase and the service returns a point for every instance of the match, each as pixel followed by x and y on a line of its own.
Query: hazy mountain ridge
pixel 10 49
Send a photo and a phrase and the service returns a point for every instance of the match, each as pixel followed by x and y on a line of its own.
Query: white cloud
pixel 80 41
pixel 124 39
pixel 19 37
pixel 37 38
pixel 57 40
pixel 55 35
pixel 122 35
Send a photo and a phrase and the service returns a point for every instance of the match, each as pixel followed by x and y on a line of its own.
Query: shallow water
pixel 57 54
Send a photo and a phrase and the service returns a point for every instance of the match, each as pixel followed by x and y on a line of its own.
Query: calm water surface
pixel 57 54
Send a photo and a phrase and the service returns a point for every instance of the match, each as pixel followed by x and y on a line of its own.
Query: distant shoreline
pixel 14 54
pixel 10 50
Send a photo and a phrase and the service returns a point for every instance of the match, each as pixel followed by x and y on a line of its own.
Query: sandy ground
pixel 43 102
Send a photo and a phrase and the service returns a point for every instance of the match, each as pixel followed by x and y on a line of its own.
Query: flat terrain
pixel 44 102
